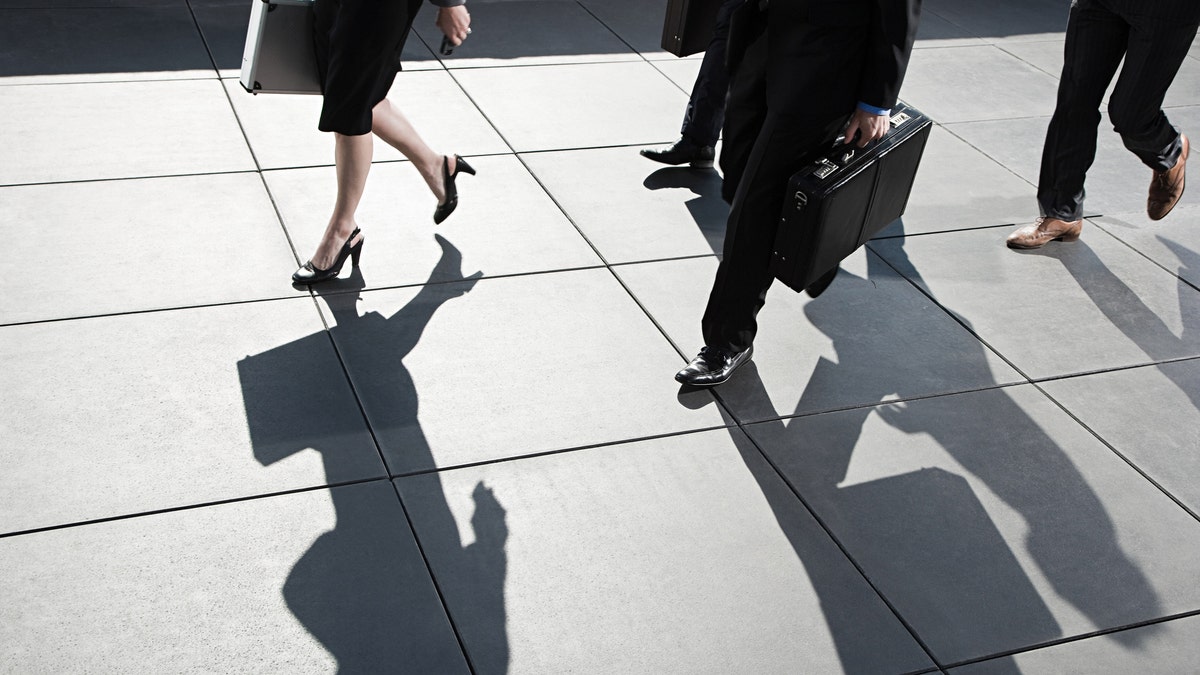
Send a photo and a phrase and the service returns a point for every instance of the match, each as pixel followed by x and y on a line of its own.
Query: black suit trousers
pixel 1153 37
pixel 763 148
pixel 706 108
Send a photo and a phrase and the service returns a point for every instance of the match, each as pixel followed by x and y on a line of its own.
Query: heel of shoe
pixel 1072 234
pixel 356 252
pixel 460 164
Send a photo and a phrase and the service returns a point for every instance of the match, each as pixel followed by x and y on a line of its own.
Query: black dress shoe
pixel 818 287
pixel 682 152
pixel 712 366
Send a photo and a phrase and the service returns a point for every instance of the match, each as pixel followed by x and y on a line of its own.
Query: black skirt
pixel 358 45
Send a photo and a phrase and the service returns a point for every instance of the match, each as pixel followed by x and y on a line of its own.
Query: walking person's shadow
pixel 924 537
pixel 363 589
pixel 1125 309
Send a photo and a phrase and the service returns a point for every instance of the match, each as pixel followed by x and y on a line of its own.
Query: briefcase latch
pixel 825 168
pixel 899 119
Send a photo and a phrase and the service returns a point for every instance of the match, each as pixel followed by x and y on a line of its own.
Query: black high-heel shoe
pixel 311 274
pixel 447 207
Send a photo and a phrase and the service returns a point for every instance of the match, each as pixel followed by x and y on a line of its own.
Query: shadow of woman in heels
pixel 364 589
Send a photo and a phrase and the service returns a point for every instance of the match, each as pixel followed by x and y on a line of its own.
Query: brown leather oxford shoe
pixel 1043 231
pixel 1167 187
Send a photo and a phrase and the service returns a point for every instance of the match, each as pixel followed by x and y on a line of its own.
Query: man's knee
pixel 1131 119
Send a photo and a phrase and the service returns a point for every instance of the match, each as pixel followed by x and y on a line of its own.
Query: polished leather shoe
pixel 712 366
pixel 1043 231
pixel 683 151
pixel 1167 187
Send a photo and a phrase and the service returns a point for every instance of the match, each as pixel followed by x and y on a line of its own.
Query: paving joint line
pixel 192 507
pixel 1078 638
pixel 557 451
pixel 841 547
pixel 437 587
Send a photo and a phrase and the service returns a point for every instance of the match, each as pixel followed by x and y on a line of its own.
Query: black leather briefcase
pixel 688 26
pixel 845 195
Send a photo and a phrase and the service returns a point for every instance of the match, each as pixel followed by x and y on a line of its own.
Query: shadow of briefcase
pixel 932 549
pixel 845 195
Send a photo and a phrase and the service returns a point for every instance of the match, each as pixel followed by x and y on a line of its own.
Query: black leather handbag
pixel 845 195
pixel 688 26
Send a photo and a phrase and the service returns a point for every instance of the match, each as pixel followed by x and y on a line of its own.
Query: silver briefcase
pixel 279 56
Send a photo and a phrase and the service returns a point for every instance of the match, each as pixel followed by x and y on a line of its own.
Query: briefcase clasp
pixel 899 119
pixel 825 168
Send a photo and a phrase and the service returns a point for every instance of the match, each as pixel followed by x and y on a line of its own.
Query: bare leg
pixel 394 128
pixel 352 156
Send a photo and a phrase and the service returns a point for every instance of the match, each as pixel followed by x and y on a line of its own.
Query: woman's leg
pixel 394 128
pixel 352 156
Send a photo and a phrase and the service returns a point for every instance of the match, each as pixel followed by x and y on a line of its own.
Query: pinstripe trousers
pixel 1153 37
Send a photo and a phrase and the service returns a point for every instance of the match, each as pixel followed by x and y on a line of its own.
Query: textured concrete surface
pixel 469 455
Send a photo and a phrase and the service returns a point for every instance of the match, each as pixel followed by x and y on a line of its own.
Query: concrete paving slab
pixel 577 106
pixel 122 415
pixel 638 23
pixel 663 212
pixel 505 223
pixel 71 132
pixel 519 33
pixel 870 337
pixel 1169 647
pixel 456 373
pixel 1063 309
pixel 1048 57
pixel 1117 181
pixel 991 520
pixel 959 187
pixel 322 581
pixel 132 245
pixel 282 128
pixel 1015 21
pixel 1159 439
pixel 1014 144
pixel 681 554
pixel 1173 242
pixel 989 84
pixel 934 31
pixel 683 73
pixel 95 44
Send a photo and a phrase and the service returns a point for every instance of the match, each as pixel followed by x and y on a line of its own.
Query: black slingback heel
pixel 311 274
pixel 447 207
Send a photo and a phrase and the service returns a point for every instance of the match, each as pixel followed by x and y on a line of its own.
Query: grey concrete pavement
pixel 469 455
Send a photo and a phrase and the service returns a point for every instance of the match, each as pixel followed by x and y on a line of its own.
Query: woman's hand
pixel 455 22
pixel 872 127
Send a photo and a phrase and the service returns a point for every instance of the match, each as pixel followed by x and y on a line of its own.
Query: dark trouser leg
pixel 706 109
pixel 743 279
pixel 745 111
pixel 1156 49
pixel 1096 40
